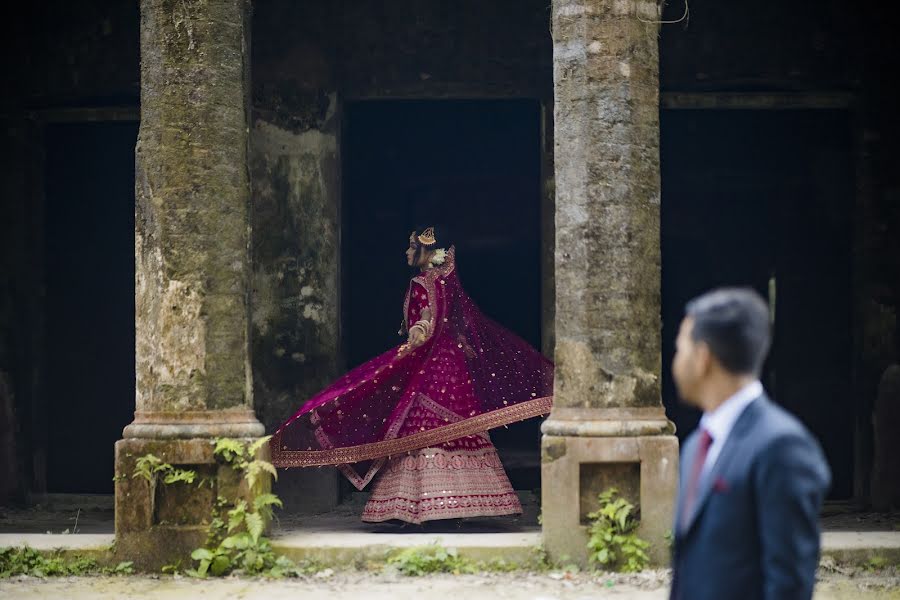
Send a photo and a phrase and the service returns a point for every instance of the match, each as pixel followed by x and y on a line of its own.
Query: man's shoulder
pixel 777 435
pixel 774 423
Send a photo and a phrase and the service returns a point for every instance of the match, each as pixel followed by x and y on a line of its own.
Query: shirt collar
pixel 720 421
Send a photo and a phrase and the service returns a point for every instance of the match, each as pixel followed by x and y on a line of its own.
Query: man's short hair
pixel 734 323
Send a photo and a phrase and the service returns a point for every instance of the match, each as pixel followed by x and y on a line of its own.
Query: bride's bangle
pixel 424 326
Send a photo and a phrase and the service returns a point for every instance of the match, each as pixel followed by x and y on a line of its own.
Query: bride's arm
pixel 421 331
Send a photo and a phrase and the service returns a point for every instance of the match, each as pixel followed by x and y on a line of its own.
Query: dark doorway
pixel 89 229
pixel 764 199
pixel 471 168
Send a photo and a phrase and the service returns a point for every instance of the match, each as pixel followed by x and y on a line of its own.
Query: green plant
pixel 150 466
pixel 242 458
pixel 876 563
pixel 613 543
pixel 28 561
pixel 235 541
pixel 424 560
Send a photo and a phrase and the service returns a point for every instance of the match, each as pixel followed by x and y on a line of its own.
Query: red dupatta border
pixel 282 457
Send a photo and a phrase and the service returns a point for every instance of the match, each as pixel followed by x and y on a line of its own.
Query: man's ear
pixel 704 358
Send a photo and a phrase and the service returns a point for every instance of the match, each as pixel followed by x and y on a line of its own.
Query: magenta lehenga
pixel 420 420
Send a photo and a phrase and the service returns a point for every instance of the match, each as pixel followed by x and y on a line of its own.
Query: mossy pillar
pixel 608 426
pixel 192 233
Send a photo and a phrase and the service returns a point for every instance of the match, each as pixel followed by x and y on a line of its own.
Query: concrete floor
pixel 340 537
pixel 360 586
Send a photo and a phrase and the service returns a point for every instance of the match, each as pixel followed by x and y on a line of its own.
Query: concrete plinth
pixel 158 524
pixel 576 469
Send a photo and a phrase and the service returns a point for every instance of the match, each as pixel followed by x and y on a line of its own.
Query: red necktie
pixel 697 468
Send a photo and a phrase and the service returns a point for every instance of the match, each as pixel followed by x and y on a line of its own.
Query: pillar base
pixel 575 469
pixel 159 524
pixel 156 425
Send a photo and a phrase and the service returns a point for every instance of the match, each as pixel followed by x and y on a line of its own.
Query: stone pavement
pixel 340 538
pixel 362 586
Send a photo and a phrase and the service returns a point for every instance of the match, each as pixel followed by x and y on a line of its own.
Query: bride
pixel 418 415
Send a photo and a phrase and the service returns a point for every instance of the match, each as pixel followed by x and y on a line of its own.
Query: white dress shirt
pixel 720 421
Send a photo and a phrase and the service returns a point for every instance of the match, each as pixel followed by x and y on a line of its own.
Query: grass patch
pixel 426 560
pixel 23 560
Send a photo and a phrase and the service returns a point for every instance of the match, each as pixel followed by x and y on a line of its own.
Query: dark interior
pixel 764 199
pixel 89 250
pixel 470 168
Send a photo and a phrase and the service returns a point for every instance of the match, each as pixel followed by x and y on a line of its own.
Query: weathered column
pixel 192 265
pixel 608 427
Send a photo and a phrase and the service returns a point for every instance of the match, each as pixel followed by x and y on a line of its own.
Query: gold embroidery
pixel 416 441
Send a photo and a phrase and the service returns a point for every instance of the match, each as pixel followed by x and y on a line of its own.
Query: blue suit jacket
pixel 754 530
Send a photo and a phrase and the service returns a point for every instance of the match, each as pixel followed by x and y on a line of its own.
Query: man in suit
pixel 752 477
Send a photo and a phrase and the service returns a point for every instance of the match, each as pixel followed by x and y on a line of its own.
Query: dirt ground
pixel 650 585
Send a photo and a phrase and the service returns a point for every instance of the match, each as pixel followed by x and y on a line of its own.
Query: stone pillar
pixel 192 233
pixel 608 426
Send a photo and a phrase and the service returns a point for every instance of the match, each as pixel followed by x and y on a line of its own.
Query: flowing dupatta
pixel 473 374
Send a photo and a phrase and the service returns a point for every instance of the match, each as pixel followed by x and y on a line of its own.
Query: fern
pixel 229 449
pixel 613 543
pixel 255 469
pixel 255 447
pixel 235 541
pixel 148 465
pixel 179 475
pixel 254 524
pixel 264 503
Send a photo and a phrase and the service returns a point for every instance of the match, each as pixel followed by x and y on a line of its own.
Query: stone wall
pixel 766 45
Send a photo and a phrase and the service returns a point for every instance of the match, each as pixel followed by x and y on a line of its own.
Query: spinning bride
pixel 418 415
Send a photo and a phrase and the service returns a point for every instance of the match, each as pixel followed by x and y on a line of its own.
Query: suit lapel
pixel 687 458
pixel 730 450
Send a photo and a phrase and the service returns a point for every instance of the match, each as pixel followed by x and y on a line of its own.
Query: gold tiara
pixel 427 237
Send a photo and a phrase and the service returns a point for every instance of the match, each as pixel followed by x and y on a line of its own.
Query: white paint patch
pixel 181 347
pixel 263 304
pixel 573 51
pixel 595 47
pixel 624 69
pixel 570 10
pixel 272 140
pixel 649 11
pixel 623 7
pixel 306 291
pixel 313 312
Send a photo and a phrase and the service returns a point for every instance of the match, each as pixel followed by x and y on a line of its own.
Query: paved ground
pixel 342 532
pixel 361 586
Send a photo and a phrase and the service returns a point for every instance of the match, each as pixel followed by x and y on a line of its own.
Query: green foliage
pixel 150 466
pixel 430 559
pixel 613 544
pixel 147 466
pixel 669 537
pixel 235 541
pixel 242 457
pixel 27 561
pixel 876 563
pixel 230 450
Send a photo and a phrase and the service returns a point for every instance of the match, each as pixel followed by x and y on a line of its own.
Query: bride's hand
pixel 416 338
